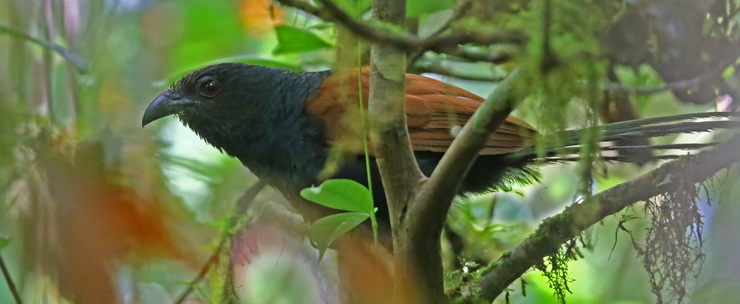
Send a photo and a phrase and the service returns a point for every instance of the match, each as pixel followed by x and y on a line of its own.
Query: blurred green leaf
pixel 294 40
pixel 327 229
pixel 729 72
pixel 342 194
pixel 416 8
pixel 270 63
pixel 4 241
pixel 208 30
pixel 247 59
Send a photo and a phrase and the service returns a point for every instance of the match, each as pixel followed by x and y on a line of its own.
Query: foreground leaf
pixel 294 40
pixel 325 231
pixel 341 194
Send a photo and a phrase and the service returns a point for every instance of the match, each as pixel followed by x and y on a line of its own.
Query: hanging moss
pixel 555 268
pixel 672 252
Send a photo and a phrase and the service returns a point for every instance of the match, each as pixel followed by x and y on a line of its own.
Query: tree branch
pixel 555 231
pixel 442 43
pixel 439 66
pixel 438 192
pixel 308 7
pixel 475 54
pixel 428 209
pixel 387 107
pixel 399 171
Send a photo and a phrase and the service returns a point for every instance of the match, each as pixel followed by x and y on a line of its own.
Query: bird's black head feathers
pixel 234 103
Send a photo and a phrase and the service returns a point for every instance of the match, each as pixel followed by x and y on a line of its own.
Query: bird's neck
pixel 282 141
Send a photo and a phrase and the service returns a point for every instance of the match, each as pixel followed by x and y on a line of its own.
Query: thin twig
pixel 245 201
pixel 291 221
pixel 48 60
pixel 65 53
pixel 435 196
pixel 476 55
pixel 459 12
pixel 676 85
pixel 203 271
pixel 241 207
pixel 549 60
pixel 9 281
pixel 439 66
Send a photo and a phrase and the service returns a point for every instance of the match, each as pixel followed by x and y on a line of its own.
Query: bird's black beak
pixel 167 103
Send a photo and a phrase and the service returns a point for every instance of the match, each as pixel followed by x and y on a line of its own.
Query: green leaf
pixel 204 30
pixel 270 63
pixel 4 241
pixel 354 8
pixel 294 40
pixel 416 8
pixel 342 194
pixel 327 229
pixel 246 59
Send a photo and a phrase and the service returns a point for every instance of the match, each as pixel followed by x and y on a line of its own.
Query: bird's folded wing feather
pixel 434 111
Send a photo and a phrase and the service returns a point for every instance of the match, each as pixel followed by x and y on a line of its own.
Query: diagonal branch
pixel 555 231
pixel 9 281
pixel 308 7
pixel 65 53
pixel 442 186
pixel 433 199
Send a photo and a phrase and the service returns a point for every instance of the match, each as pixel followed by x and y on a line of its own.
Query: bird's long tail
pixel 571 144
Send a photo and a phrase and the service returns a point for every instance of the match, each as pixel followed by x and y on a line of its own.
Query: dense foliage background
pixel 95 208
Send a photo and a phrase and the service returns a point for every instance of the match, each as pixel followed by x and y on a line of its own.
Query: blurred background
pixel 95 209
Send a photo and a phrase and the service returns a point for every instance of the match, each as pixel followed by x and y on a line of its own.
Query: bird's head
pixel 216 94
pixel 230 105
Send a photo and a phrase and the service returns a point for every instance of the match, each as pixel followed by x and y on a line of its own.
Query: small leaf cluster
pixel 340 194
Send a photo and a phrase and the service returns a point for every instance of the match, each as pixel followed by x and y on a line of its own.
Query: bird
pixel 284 126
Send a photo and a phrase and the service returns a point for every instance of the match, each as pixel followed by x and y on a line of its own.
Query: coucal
pixel 283 125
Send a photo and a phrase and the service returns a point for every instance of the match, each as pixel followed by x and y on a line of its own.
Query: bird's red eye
pixel 210 88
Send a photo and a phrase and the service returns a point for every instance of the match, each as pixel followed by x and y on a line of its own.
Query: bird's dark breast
pixel 289 157
pixel 283 145
pixel 291 160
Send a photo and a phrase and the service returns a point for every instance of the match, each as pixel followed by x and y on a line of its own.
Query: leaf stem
pixel 363 122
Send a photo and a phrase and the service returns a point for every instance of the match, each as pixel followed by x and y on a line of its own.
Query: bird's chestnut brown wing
pixel 434 109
